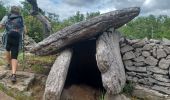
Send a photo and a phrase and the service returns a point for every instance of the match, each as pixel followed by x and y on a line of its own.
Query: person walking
pixel 12 37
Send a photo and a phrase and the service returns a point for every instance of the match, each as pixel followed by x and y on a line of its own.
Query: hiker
pixel 34 7
pixel 12 37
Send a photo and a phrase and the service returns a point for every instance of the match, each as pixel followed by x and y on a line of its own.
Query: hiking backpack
pixel 14 22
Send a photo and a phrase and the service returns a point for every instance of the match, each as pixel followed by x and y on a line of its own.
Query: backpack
pixel 14 22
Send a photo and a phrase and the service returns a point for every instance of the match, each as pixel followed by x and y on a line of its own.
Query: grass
pixel 102 96
pixel 37 64
pixel 128 89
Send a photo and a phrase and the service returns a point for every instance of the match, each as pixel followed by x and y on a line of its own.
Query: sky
pixel 66 8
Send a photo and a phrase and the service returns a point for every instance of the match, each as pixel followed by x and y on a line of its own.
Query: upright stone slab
pixel 57 76
pixel 109 62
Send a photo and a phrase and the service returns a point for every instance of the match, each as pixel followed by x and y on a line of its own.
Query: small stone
pixel 168 57
pixel 154 52
pixel 139 64
pixel 165 41
pixel 157 70
pixel 155 41
pixel 126 48
pixel 137 54
pixel 139 59
pixel 161 78
pixel 147 93
pixel 128 63
pixel 131 73
pixel 147 47
pixel 146 53
pixel 161 53
pixel 128 55
pixel 152 80
pixel 136 69
pixel 167 49
pixel 139 44
pixel 151 61
pixel 144 81
pixel 164 64
pixel 139 50
pixel 162 89
pixel 135 79
pixel 2 74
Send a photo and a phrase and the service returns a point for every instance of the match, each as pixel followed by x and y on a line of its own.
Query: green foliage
pixel 129 87
pixel 3 10
pixel 149 26
pixel 91 15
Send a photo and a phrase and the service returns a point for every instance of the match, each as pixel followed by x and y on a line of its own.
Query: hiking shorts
pixel 13 44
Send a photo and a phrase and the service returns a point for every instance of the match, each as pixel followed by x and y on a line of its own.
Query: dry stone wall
pixel 147 62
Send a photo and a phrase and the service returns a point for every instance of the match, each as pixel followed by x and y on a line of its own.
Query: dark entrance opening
pixel 83 68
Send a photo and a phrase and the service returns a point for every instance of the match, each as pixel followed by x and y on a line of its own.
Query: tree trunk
pixel 57 76
pixel 46 24
pixel 84 30
pixel 109 62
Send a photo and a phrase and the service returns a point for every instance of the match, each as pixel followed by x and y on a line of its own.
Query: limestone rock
pixel 128 55
pixel 57 76
pixel 147 47
pixel 139 59
pixel 137 54
pixel 136 69
pixel 165 41
pixel 167 49
pixel 144 81
pixel 108 54
pixel 151 61
pixel 131 73
pixel 152 80
pixel 157 70
pixel 146 53
pixel 168 57
pixel 148 94
pixel 154 52
pixel 25 79
pixel 161 78
pixel 3 74
pixel 141 43
pixel 139 64
pixel 164 64
pixel 126 48
pixel 84 30
pixel 162 89
pixel 128 63
pixel 161 53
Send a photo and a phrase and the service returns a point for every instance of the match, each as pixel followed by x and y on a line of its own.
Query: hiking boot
pixel 8 67
pixel 13 78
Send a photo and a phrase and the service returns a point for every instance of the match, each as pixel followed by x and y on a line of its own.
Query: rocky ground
pixel 30 82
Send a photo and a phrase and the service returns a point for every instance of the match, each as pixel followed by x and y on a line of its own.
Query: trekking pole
pixel 23 49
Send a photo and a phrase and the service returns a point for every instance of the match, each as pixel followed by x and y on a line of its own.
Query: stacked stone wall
pixel 147 62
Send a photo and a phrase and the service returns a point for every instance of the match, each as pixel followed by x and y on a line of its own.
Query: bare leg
pixel 14 65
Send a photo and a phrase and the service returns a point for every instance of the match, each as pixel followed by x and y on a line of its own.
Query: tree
pixel 3 10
